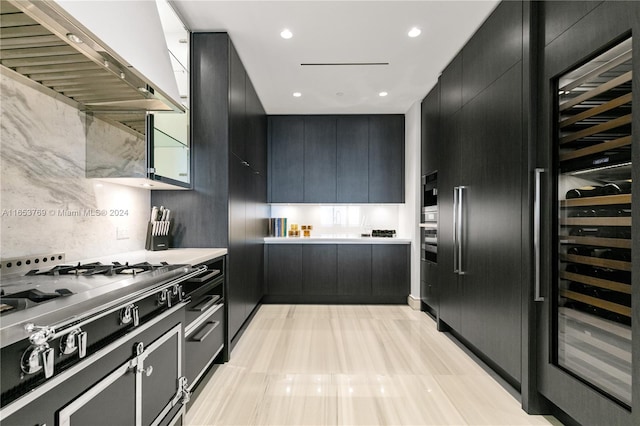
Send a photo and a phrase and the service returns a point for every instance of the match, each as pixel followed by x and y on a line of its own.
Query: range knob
pixel 75 340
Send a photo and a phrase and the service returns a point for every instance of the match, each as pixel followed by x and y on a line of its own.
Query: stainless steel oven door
pixel 155 375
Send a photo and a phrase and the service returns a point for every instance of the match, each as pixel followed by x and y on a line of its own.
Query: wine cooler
pixel 592 305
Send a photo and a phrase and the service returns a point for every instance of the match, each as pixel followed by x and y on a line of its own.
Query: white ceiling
pixel 340 31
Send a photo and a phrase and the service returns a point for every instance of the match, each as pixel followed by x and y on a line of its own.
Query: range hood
pixel 40 40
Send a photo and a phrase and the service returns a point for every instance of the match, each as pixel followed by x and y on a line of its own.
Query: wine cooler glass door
pixel 592 284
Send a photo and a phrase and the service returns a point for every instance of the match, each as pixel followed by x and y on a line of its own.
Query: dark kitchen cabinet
pixel 256 147
pixel 386 159
pixel 346 159
pixel 491 222
pixel 451 87
pixel 319 270
pixel 286 155
pixel 354 269
pixel 480 173
pixel 237 295
pixel 450 174
pixel 353 159
pixel 284 265
pixel 227 206
pixel 389 269
pixel 430 136
pixel 319 159
pixel 493 49
pixel 337 273
pixel 237 105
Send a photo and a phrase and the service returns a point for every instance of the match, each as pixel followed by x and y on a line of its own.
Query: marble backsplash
pixel 47 203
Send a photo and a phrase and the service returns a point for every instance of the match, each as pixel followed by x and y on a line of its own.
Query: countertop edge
pixel 337 240
pixel 190 256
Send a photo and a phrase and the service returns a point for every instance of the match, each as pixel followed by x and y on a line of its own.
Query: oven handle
pixel 205 303
pixel 205 331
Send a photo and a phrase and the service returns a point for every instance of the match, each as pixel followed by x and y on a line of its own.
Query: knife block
pixel 156 242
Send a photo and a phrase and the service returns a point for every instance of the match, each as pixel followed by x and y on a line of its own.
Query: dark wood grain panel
pixel 390 270
pixel 284 269
pixel 319 269
pixel 354 269
pixel 319 159
pixel 353 159
pixel 494 48
pixel 286 154
pixel 386 159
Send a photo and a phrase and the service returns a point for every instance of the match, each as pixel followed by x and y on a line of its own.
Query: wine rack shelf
pixel 596 221
pixel 597 241
pixel 597 302
pixel 596 261
pixel 597 282
pixel 606 200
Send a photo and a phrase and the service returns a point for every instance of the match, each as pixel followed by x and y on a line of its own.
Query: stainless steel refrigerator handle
pixel 536 234
pixel 455 229
pixel 460 229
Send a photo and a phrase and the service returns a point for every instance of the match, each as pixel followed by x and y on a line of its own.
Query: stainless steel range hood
pixel 41 41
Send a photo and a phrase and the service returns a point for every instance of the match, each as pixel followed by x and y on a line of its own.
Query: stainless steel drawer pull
pixel 206 303
pixel 205 331
pixel 207 277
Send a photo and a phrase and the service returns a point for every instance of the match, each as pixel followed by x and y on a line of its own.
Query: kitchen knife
pixel 154 218
pixel 168 222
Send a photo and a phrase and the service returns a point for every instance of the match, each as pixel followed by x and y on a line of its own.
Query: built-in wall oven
pixel 429 218
pixel 429 243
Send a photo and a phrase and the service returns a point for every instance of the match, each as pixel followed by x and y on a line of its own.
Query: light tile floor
pixel 352 365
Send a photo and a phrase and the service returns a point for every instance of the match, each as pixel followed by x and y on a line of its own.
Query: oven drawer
pixel 203 343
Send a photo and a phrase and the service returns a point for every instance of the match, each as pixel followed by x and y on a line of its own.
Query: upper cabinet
pixel 336 159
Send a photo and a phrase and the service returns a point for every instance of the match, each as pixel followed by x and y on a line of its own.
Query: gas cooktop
pixel 19 292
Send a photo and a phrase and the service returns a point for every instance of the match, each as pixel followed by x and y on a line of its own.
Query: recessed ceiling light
pixel 147 185
pixel 297 94
pixel 286 34
pixel 414 32
pixel 382 94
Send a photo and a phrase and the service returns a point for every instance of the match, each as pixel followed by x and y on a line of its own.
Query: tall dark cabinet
pixel 227 206
pixel 480 142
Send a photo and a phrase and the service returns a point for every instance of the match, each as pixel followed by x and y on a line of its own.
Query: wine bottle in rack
pixel 618 187
pixel 584 192
pixel 617 254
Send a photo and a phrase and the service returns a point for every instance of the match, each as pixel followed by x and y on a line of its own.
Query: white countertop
pixel 336 240
pixel 190 256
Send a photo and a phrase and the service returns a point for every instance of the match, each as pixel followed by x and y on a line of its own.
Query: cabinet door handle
pixel 205 331
pixel 537 297
pixel 455 229
pixel 460 229
pixel 204 278
pixel 205 303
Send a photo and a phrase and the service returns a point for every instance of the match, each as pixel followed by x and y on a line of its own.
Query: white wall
pixel 341 220
pixel 47 203
pixel 410 210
